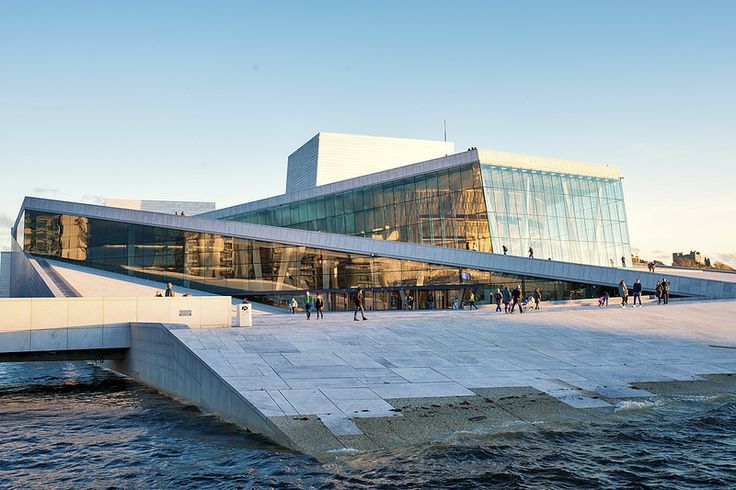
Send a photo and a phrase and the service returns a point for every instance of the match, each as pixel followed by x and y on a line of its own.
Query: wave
pixel 638 404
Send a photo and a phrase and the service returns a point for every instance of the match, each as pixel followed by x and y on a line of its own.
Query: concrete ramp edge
pixel 157 358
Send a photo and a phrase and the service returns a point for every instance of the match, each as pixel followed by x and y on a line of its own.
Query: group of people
pixel 623 262
pixel 512 298
pixel 662 291
pixel 316 303
pixel 623 291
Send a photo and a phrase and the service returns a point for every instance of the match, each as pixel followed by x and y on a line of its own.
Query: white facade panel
pixel 332 157
pixel 5 258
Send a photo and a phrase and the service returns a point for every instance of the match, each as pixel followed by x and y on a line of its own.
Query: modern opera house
pixel 395 216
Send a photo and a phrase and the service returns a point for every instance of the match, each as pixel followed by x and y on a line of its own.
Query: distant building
pixel 189 208
pixel 693 259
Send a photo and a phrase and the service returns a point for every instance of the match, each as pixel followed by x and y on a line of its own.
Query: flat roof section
pixel 547 164
pixel 490 157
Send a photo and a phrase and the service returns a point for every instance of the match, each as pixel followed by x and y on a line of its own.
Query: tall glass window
pixel 563 217
pixel 445 208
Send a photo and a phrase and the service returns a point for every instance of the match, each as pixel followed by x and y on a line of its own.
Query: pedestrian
pixel 623 261
pixel 654 264
pixel 169 291
pixel 319 306
pixel 503 247
pixel 471 300
pixel 506 299
pixel 410 302
pixel 497 297
pixel 531 253
pixel 611 261
pixel 665 291
pixel 293 305
pixel 453 302
pixel 537 298
pixel 637 292
pixel 658 292
pixel 308 305
pixel 358 300
pixel 430 302
pixel 516 298
pixel 623 291
pixel 603 300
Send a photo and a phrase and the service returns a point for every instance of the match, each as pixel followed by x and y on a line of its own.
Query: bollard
pixel 245 316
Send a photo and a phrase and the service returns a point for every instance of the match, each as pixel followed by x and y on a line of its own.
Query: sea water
pixel 76 425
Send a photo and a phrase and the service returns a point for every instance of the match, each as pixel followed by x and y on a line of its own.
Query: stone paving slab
pixel 348 372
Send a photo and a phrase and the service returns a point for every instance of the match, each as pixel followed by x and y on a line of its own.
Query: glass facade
pixel 483 207
pixel 446 208
pixel 270 272
pixel 564 217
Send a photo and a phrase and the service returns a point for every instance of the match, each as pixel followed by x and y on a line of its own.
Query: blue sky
pixel 205 100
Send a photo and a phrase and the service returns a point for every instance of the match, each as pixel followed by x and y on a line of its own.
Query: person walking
pixel 319 306
pixel 531 253
pixel 623 291
pixel 308 305
pixel 293 305
pixel 658 292
pixel 471 300
pixel 506 299
pixel 537 298
pixel 637 292
pixel 516 298
pixel 503 247
pixel 497 297
pixel 169 291
pixel 358 300
pixel 665 291
pixel 623 261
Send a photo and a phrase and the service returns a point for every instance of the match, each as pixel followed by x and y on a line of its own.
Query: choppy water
pixel 72 425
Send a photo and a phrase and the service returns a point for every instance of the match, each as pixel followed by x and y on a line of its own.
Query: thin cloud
pixel 727 258
pixel 6 221
pixel 46 191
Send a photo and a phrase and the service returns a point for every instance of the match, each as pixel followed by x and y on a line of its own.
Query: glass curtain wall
pixel 273 271
pixel 445 208
pixel 563 217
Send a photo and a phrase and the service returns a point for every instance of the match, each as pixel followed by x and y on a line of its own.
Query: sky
pixel 205 100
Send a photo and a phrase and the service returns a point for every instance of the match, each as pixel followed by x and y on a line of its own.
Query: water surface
pixel 74 425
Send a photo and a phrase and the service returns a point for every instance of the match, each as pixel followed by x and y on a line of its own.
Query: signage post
pixel 245 317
